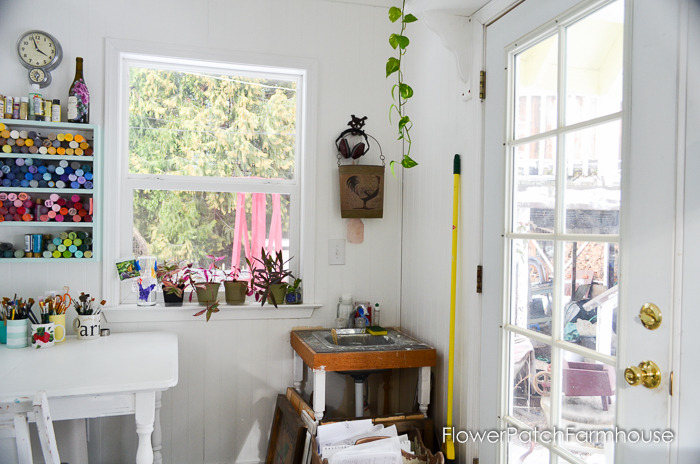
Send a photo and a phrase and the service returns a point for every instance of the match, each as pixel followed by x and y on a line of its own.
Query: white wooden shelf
pixel 46 157
pixel 45 260
pixel 65 224
pixel 45 190
pixel 184 313
pixel 49 125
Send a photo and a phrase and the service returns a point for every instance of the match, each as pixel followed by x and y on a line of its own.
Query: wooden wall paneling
pixel 215 348
pixel 194 336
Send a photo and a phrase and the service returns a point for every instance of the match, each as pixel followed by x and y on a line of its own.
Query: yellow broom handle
pixel 453 289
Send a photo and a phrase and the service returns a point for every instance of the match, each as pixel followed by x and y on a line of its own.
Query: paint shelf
pixel 13 231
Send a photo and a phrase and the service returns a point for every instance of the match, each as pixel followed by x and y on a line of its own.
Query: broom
pixel 448 447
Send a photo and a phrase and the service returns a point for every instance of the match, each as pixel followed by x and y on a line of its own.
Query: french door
pixel 579 215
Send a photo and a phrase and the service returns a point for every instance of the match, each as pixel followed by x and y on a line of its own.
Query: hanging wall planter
pixel 361 186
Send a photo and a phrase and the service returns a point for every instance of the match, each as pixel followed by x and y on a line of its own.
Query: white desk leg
pixel 298 372
pixel 424 389
pixel 157 438
pixel 145 406
pixel 319 393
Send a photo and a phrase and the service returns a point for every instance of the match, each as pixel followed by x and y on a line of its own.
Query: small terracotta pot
pixel 235 292
pixel 208 294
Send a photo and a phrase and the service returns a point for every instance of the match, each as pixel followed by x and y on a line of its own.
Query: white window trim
pixel 117 54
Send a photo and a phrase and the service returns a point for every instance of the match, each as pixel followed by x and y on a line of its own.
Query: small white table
pixel 123 373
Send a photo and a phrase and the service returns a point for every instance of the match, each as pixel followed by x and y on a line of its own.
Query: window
pixel 210 158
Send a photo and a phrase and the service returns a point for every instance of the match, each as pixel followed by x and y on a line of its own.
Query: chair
pixel 14 417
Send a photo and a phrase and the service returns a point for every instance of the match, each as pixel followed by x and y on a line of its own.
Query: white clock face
pixel 38 76
pixel 37 49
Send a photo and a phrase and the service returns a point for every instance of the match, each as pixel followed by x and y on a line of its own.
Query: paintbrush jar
pixel 17 333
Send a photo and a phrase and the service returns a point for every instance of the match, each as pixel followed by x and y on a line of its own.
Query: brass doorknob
pixel 647 374
pixel 650 315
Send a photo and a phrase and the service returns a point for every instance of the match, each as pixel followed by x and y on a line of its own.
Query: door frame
pixel 477 418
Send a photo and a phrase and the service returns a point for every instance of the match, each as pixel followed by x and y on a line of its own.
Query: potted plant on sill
pixel 236 290
pixel 208 288
pixel 293 295
pixel 172 278
pixel 268 277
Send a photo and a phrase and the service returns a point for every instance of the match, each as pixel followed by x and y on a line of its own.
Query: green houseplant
pixel 293 295
pixel 400 92
pixel 268 277
pixel 236 290
pixel 171 276
pixel 205 281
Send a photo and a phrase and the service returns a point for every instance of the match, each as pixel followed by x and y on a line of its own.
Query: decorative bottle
pixel 78 96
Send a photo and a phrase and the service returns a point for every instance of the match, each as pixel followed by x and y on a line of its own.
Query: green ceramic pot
pixel 209 294
pixel 278 291
pixel 235 292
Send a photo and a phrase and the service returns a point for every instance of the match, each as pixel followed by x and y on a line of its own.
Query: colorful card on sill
pixel 128 269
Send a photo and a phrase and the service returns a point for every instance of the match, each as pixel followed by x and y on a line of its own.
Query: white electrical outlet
pixel 336 251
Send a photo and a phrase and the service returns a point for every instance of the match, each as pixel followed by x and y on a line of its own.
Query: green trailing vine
pixel 393 65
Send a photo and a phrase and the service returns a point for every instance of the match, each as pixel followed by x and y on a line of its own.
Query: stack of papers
pixel 336 443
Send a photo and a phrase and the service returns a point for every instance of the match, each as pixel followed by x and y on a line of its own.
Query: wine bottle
pixel 78 96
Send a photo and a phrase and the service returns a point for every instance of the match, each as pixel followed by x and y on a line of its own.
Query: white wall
pixel 444 126
pixel 230 371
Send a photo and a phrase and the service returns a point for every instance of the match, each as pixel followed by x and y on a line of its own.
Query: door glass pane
pixel 590 314
pixel 536 88
pixel 593 174
pixel 587 408
pixel 534 186
pixel 525 451
pixel 530 380
pixel 531 285
pixel 594 64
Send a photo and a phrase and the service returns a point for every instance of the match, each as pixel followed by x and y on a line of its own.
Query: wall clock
pixel 39 52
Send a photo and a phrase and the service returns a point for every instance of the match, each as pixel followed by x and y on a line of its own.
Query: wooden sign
pixel 287 436
pixel 361 191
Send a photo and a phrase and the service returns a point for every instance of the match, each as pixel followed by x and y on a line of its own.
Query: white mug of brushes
pixel 87 324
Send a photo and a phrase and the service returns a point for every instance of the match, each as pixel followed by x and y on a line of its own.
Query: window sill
pixel 184 313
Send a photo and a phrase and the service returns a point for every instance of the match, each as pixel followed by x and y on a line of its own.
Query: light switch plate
pixel 336 251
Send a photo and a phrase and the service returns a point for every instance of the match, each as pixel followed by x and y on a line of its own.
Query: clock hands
pixel 36 47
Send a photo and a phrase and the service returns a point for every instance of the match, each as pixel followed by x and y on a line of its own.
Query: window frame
pixel 123 54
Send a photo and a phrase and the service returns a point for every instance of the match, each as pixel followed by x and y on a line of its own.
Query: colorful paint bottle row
pixel 22 207
pixel 67 245
pixel 38 173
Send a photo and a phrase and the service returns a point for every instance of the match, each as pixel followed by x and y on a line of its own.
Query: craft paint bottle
pixel 33 93
pixel 15 108
pixel 56 110
pixel 38 108
pixel 2 107
pixel 23 108
pixel 8 107
pixel 47 110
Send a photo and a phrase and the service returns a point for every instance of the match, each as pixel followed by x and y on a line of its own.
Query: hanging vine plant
pixel 401 91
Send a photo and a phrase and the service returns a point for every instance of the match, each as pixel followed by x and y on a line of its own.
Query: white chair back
pixel 14 422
